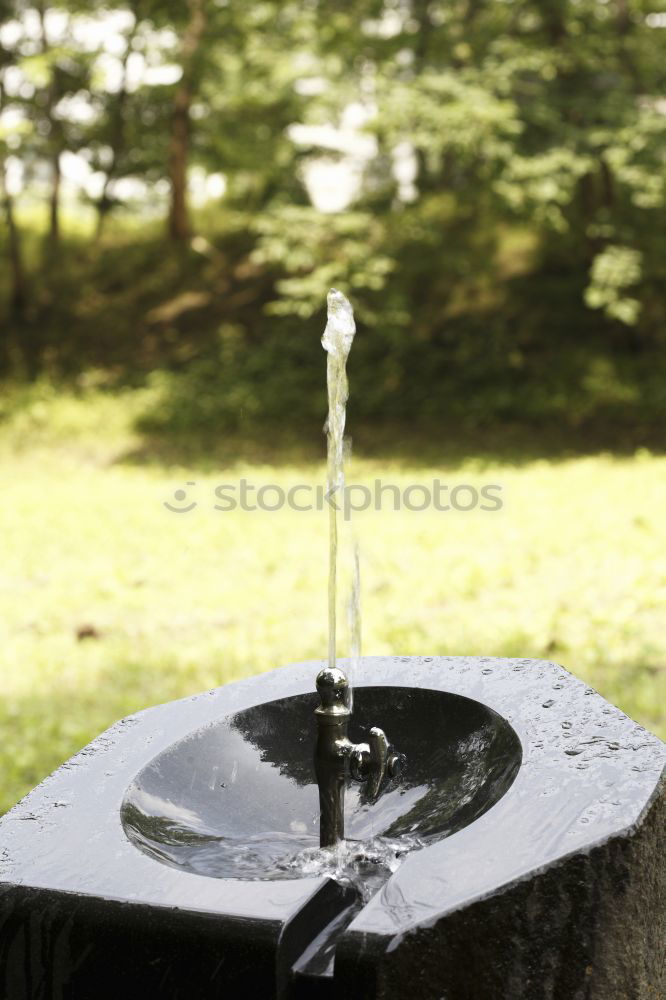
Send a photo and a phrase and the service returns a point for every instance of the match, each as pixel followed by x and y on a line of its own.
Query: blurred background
pixel 180 185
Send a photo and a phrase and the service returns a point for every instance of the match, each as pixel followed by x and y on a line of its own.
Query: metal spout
pixel 337 758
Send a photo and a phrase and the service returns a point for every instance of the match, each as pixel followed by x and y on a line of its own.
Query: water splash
pixel 363 865
pixel 336 341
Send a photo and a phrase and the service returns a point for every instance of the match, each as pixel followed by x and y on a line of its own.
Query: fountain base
pixel 533 805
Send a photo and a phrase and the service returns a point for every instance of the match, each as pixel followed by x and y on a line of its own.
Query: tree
pixel 49 74
pixel 111 130
pixel 179 144
pixel 543 116
pixel 18 290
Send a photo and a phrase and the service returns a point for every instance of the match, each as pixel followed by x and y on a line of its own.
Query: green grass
pixel 571 569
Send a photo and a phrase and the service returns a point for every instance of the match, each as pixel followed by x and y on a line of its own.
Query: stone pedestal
pixel 540 875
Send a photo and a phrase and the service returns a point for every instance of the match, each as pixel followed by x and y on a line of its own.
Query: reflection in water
pixel 238 799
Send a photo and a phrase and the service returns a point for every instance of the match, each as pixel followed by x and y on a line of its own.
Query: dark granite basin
pixel 238 799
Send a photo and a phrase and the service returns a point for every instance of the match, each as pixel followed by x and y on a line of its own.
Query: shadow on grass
pixel 434 445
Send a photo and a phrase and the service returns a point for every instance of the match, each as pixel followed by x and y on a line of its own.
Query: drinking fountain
pixel 518 853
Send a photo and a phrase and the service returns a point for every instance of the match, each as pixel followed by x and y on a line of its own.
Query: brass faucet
pixel 336 758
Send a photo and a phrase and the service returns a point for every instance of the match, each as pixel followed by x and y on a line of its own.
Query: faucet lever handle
pixel 375 761
pixel 379 750
pixel 379 755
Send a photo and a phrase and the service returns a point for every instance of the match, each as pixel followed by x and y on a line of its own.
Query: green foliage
pixel 615 270
pixel 319 252
pixel 527 247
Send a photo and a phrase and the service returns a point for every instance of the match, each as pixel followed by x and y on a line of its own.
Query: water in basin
pixel 238 799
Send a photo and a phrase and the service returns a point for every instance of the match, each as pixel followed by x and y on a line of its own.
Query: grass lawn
pixel 111 603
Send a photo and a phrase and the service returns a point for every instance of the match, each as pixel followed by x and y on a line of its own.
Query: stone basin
pixel 238 798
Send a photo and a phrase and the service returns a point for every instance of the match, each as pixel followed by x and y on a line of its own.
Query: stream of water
pixel 337 341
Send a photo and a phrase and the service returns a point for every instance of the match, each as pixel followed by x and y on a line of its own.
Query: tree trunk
pixel 102 207
pixel 18 292
pixel 179 145
pixel 54 203
pixel 118 137
pixel 179 220
pixel 54 143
